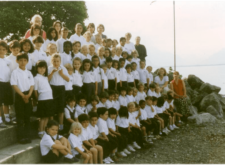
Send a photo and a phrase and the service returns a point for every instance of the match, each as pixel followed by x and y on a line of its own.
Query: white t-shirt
pixel 88 43
pixel 116 105
pixel 69 85
pixel 45 45
pixel 100 104
pixel 86 134
pixel 157 95
pixel 123 100
pixel 89 107
pixel 129 47
pixel 5 71
pixel 115 58
pixel 111 73
pixel 122 122
pixel 99 73
pixel 75 37
pixel 161 82
pixel 136 75
pixel 137 61
pixel 83 57
pixel 77 79
pixel 111 123
pixel 57 80
pixel 130 78
pixel 130 98
pixel 123 74
pixel 94 131
pixel 42 85
pixel 13 64
pixel 46 144
pixel 22 78
pixel 81 110
pixel 67 111
pixel 105 78
pixel 75 141
pixel 38 55
pixel 151 78
pixel 109 104
pixel 102 60
pixel 66 58
pixel 143 75
pixel 150 93
pixel 89 77
pixel 140 96
pixel 97 47
pixel 102 126
pixel 59 44
pixel 143 115
pixel 132 118
pixel 160 109
pixel 149 112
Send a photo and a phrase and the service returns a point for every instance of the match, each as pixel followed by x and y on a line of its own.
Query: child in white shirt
pixel 113 54
pixel 130 77
pixel 129 96
pixel 87 36
pixel 77 36
pixel 111 74
pixel 77 77
pixel 60 42
pixel 52 37
pixel 103 98
pixel 151 79
pixel 98 39
pixel 105 85
pixel 67 56
pixel 101 52
pixel 157 92
pixel 141 94
pixel 119 50
pixel 81 106
pixel 51 49
pixel 92 107
pixel 151 91
pixel 110 103
pixel 135 73
pixel 135 59
pixel 27 47
pixel 52 145
pixel 123 73
pixel 69 85
pixel 76 45
pixel 122 97
pixel 144 77
pixel 84 53
pixel 116 101
pixel 115 65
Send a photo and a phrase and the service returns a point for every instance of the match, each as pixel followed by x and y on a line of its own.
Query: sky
pixel 200 28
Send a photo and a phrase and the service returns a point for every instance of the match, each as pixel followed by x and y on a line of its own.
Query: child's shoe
pixel 171 127
pixel 130 148
pixel 106 161
pixel 135 145
pixel 123 154
pixel 110 160
pixel 126 151
pixel 175 127
pixel 2 125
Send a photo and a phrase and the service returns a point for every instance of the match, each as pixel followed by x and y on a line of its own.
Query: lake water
pixel 214 75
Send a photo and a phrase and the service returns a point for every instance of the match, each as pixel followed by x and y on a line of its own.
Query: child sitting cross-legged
pixel 81 106
pixel 103 98
pixel 88 141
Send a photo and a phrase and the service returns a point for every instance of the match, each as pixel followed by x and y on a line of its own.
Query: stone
pixel 210 109
pixel 212 99
pixel 197 97
pixel 208 88
pixel 194 81
pixel 193 110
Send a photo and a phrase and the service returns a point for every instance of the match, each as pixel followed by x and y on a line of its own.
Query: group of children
pixel 104 100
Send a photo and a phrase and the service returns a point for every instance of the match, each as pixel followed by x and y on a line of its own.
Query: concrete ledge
pixel 8 136
pixel 21 154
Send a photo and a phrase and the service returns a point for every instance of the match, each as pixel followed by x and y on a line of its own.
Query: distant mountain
pixel 217 58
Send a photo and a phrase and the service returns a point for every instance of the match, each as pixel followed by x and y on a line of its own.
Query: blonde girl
pixel 77 36
pixel 84 53
pixel 98 39
pixel 77 76
pixel 101 52
pixel 76 49
pixel 77 147
pixel 51 49
pixel 87 36
pixel 135 59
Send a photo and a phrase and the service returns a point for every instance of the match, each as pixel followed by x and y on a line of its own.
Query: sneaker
pixel 167 130
pixel 175 127
pixel 126 151
pixel 130 148
pixel 136 146
pixel 171 128
pixel 123 154
pixel 106 161
pixel 110 160
pixel 151 136
pixel 2 125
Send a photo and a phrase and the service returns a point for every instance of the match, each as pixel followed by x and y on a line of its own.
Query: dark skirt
pixel 76 90
pixel 89 90
pixel 136 82
pixel 111 84
pixel 6 94
pixel 58 98
pixel 45 108
pixel 130 84
pixel 51 157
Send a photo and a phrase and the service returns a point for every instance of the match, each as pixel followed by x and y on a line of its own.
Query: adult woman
pixel 129 46
pixel 91 29
pixel 179 93
pixel 100 30
pixel 36 19
pixel 162 80
pixel 58 26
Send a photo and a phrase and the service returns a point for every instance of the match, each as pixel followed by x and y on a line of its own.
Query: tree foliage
pixel 15 16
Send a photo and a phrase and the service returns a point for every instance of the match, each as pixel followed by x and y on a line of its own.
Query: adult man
pixel 140 48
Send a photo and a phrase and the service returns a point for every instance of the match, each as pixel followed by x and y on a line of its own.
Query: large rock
pixel 210 109
pixel 194 81
pixel 212 100
pixel 208 88
pixel 197 97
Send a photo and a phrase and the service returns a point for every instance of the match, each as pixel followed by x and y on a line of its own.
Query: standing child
pixel 135 91
pixel 144 77
pixel 109 43
pixel 135 73
pixel 43 94
pixel 76 49
pixel 67 56
pixel 122 97
pixel 130 97
pixel 114 43
pixel 115 65
pixel 90 82
pixel 116 101
pixel 84 53
pixel 23 84
pixel 111 74
pixel 105 85
pixel 60 42
pixel 87 35
pixel 119 50
pixel 57 75
pixel 101 52
pixel 88 141
pixel 121 139
pixel 51 49
pixel 122 43
pixel 52 37
pixel 14 47
pixel 27 47
pixel 141 94
pixel 130 77
pixel 149 69
pixel 77 147
pixel 6 95
pixel 98 71
pixel 123 73
pixel 125 55
pixel 110 103
pixel 36 31
pixel 135 59
pixel 77 77
pixel 81 106
pixel 92 107
pixel 53 146
pixel 77 36
pixel 98 39
pixel 104 133
pixel 91 49
pixel 70 113
pixel 69 84
pixel 151 91
pixel 107 52
pixel 113 54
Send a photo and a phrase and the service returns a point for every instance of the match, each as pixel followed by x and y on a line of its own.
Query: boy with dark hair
pixel 111 74
pixel 81 106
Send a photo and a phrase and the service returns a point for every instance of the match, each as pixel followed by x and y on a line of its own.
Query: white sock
pixel 174 125
pixel 0 119
pixel 68 156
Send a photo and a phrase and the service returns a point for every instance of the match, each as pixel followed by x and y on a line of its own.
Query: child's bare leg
pixel 86 158
pixel 45 123
pixel 41 124
pixel 90 158
pixel 100 153
pixel 55 151
pixel 94 155
pixel 171 120
pixel 61 118
pixel 64 152
pixel 6 109
pixel 143 131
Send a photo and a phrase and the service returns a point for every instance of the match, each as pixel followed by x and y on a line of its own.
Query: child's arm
pixel 104 136
pixel 63 75
pixel 103 85
pixel 96 87
pixel 139 114
pixel 147 80
pixel 51 74
pixel 113 132
pixel 60 147
pixel 115 83
pixel 87 143
pixel 92 142
pixel 71 120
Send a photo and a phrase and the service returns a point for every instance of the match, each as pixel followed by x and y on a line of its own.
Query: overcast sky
pixel 200 27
